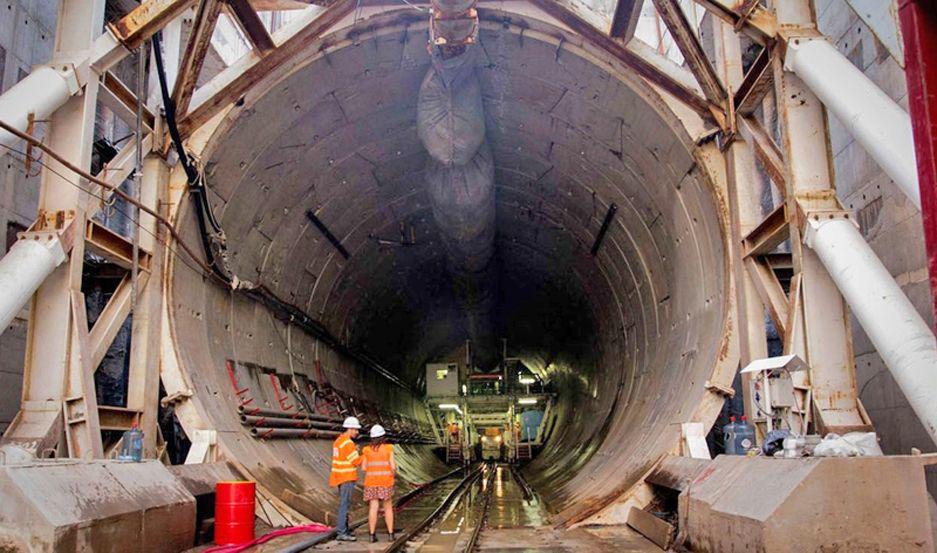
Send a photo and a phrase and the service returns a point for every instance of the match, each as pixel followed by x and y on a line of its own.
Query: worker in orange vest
pixel 344 474
pixel 379 468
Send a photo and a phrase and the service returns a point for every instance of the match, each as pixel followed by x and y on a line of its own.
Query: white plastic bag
pixel 852 444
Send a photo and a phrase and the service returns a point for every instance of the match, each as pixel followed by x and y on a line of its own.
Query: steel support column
pixel 820 332
pixel 745 213
pixel 919 28
pixel 54 366
pixel 143 381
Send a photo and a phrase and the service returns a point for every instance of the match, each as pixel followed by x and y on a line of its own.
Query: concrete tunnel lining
pixel 571 131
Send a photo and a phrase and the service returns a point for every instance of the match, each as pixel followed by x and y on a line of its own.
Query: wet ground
pixel 512 523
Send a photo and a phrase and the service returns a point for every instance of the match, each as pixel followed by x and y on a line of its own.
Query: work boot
pixel 346 537
pixel 392 536
pixel 373 538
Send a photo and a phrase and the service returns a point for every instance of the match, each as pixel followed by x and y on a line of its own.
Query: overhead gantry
pixel 319 119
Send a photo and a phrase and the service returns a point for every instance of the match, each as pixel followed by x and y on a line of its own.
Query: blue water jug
pixel 131 448
pixel 739 437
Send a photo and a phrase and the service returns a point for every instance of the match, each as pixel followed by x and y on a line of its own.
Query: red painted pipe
pixel 919 26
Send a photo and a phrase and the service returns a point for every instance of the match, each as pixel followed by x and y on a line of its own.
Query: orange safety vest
pixel 344 461
pixel 376 463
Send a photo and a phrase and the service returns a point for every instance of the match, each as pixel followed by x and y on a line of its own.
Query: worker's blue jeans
pixel 344 500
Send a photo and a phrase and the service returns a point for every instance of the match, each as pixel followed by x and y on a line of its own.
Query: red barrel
pixel 234 513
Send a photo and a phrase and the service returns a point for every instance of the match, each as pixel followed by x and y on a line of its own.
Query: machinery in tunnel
pixel 496 230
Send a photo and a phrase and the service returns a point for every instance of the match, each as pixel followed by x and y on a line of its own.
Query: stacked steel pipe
pixel 276 424
pixel 460 169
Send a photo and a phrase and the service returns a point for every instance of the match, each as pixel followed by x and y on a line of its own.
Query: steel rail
pixel 522 482
pixel 476 532
pixel 456 493
pixel 403 500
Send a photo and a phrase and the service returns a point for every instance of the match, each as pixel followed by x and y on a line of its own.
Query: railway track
pixel 455 505
pixel 474 494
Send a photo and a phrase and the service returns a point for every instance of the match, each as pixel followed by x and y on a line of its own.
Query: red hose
pixel 313 528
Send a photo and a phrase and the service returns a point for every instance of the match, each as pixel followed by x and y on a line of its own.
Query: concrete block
pixel 7 24
pixel 889 76
pixel 46 13
pixel 807 504
pixel 836 19
pixel 94 506
pixel 853 167
pixel 24 37
pixel 900 245
pixel 839 135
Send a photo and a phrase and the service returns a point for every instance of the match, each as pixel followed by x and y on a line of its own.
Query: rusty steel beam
pixel 757 22
pixel 123 102
pixel 195 51
pixel 757 82
pixel 249 22
pixel 282 5
pixel 689 45
pixel 260 67
pixel 707 110
pixel 766 150
pixel 135 28
pixel 625 19
pixel 771 233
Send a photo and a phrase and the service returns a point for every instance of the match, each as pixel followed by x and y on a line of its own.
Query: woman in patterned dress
pixel 377 460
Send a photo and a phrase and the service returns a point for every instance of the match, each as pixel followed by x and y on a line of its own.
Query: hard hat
pixel 377 431
pixel 351 422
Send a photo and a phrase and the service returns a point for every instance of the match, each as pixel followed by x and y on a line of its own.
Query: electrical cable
pixel 104 184
pixel 165 243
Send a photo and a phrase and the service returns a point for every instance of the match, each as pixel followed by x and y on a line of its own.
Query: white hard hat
pixel 377 431
pixel 351 422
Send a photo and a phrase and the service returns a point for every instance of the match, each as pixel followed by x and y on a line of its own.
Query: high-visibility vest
pixel 376 463
pixel 344 461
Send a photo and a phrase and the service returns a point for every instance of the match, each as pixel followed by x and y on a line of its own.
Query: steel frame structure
pixel 812 317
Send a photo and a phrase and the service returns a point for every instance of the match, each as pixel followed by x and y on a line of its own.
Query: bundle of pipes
pixel 272 423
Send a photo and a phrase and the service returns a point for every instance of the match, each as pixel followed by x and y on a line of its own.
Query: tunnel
pixel 628 336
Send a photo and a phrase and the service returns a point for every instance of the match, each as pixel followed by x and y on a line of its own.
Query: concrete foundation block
pixel 99 506
pixel 807 504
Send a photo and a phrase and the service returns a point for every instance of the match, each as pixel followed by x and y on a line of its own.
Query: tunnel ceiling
pixel 338 136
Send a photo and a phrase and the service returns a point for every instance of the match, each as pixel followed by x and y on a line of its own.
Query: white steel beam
pixel 897 331
pixel 874 120
pixel 35 98
pixel 23 269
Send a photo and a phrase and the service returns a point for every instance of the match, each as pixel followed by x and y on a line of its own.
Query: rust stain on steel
pixel 260 69
pixel 146 19
pixel 640 66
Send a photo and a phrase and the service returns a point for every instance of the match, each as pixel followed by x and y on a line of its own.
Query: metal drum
pixel 234 512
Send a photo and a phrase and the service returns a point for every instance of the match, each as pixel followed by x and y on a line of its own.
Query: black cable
pixel 196 185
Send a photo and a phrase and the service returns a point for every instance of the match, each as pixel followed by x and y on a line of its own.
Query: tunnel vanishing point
pixel 624 230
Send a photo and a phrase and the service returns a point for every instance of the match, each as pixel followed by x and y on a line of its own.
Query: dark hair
pixel 378 442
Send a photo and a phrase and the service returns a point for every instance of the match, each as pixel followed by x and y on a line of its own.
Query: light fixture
pixel 526 380
pixel 527 401
pixel 464 390
pixel 450 407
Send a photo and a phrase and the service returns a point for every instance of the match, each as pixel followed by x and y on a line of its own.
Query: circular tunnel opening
pixel 626 337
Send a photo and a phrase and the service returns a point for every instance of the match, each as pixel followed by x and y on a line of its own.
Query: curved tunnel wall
pixel 629 336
